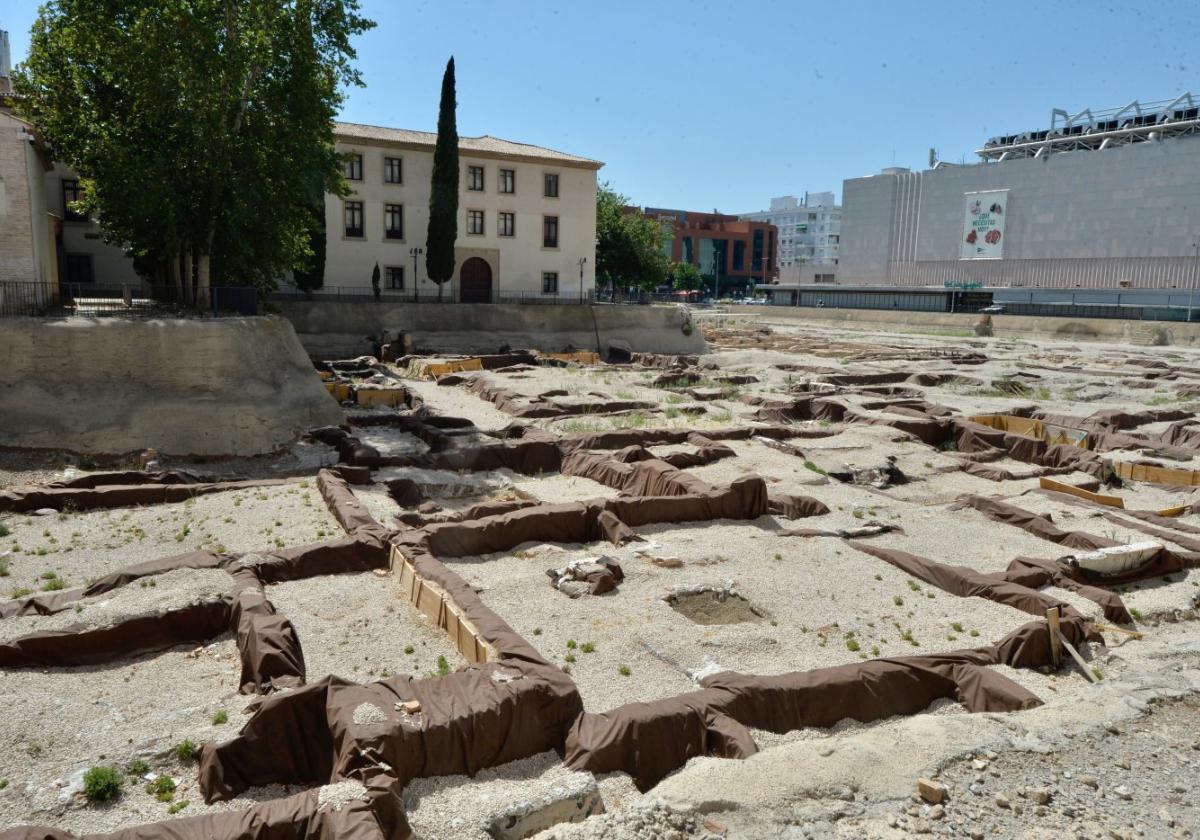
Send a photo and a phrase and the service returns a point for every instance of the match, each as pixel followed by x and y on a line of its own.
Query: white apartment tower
pixel 809 229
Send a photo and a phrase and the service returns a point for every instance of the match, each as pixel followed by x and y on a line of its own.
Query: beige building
pixel 526 217
pixel 27 230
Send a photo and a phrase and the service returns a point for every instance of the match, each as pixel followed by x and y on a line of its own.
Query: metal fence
pixel 973 302
pixel 128 300
pixel 365 294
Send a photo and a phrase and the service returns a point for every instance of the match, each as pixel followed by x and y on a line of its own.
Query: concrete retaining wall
pixel 1111 330
pixel 237 386
pixel 330 330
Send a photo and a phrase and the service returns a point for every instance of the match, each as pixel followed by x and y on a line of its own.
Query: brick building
pixel 739 253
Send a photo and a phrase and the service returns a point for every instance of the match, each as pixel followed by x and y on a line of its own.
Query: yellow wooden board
pixel 1051 433
pixel 340 390
pixel 1173 511
pixel 371 397
pixel 583 357
pixel 1079 492
pixel 1157 475
pixel 437 605
pixel 421 369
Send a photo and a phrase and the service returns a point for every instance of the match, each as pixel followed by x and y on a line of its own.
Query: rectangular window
pixel 353 167
pixel 550 231
pixel 393 221
pixel 508 180
pixel 507 224
pixel 79 268
pixel 393 170
pixel 475 178
pixel 551 179
pixel 394 275
pixel 475 222
pixel 70 193
pixel 549 282
pixel 354 219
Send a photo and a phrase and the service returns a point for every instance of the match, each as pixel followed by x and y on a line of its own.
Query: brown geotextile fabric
pixel 350 513
pixel 118 495
pixel 543 405
pixel 267 642
pixel 82 644
pixel 1034 523
pixel 478 717
pixel 650 740
pixel 378 816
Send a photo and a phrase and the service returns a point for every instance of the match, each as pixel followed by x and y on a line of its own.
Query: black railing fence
pixel 125 300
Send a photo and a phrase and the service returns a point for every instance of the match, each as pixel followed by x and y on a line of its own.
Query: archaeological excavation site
pixel 816 581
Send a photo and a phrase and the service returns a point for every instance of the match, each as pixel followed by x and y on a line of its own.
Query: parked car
pixel 994 309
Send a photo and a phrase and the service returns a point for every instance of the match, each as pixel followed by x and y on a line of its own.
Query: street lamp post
pixel 415 253
pixel 1195 277
pixel 582 263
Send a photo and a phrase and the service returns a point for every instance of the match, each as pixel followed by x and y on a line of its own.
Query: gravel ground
pixel 1130 780
pixel 825 605
pixel 83 546
pixel 157 594
pixel 819 603
pixel 462 808
pixel 56 722
pixel 458 402
pixel 356 626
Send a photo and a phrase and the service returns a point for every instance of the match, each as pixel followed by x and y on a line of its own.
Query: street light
pixel 582 263
pixel 1195 277
pixel 414 253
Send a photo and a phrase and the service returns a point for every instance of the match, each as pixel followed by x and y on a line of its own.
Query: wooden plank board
pixel 1087 672
pixel 1157 475
pixel 1079 492
pixel 1055 632
pixel 436 605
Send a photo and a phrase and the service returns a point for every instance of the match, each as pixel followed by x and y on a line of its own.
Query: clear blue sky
pixel 703 105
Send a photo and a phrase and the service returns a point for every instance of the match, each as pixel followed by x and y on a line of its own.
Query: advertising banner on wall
pixel 983 225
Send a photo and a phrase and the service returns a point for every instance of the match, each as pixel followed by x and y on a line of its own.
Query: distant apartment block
pixel 738 253
pixel 809 235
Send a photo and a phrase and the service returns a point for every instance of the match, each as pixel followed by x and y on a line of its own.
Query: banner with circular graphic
pixel 983 225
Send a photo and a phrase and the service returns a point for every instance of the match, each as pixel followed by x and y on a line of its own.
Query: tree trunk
pixel 203 281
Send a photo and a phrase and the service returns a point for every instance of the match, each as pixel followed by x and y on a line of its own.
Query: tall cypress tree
pixel 443 194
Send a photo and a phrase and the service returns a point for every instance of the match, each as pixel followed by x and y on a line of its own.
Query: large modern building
pixel 735 252
pixel 809 232
pixel 526 218
pixel 1096 200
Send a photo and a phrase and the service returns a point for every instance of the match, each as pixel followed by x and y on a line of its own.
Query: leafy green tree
pixel 197 126
pixel 443 193
pixel 311 275
pixel 375 289
pixel 686 277
pixel 629 244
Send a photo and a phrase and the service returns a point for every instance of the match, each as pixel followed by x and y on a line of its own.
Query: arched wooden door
pixel 475 281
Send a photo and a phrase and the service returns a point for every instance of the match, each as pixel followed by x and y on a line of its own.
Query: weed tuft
pixel 102 784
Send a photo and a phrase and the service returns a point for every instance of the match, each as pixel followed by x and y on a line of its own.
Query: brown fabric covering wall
pixel 297 817
pixel 82 645
pixel 272 658
pixel 350 513
pixel 111 496
pixel 1036 524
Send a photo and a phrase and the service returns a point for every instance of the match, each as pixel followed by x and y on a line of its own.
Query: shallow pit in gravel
pixel 715 606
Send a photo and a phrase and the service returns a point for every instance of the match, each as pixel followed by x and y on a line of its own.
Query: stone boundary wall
pixel 230 386
pixel 334 329
pixel 1111 330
